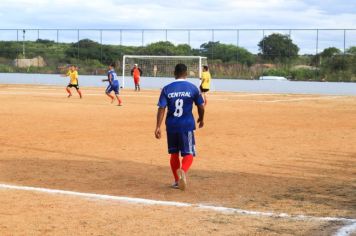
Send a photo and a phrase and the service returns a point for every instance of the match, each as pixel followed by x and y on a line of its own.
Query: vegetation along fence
pixel 298 54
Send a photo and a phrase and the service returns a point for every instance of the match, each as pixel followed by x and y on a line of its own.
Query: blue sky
pixel 177 14
pixel 193 14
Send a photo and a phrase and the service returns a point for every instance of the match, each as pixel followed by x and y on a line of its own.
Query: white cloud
pixel 175 14
pixel 193 14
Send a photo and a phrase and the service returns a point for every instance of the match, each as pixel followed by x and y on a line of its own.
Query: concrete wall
pixel 24 63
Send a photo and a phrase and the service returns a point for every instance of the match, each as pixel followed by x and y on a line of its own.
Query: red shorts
pixel 137 80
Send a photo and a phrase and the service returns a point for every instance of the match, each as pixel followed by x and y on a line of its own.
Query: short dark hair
pixel 206 67
pixel 112 64
pixel 180 70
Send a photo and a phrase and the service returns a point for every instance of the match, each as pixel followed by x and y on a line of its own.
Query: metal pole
pixel 143 38
pixel 344 42
pixel 166 41
pixel 101 46
pixel 38 37
pixel 23 43
pixel 120 37
pixel 317 51
pixel 17 52
pixel 78 45
pixel 289 49
pixel 57 36
pixel 237 45
pixel 189 37
pixel 317 42
pixel 263 41
pixel 212 46
pixel 123 71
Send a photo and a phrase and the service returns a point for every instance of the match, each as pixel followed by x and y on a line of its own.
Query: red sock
pixel 112 97
pixel 175 165
pixel 119 100
pixel 187 162
pixel 68 91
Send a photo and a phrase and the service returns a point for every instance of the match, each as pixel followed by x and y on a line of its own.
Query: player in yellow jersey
pixel 205 83
pixel 73 76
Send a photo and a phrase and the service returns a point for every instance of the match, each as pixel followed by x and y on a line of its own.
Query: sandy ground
pixel 281 153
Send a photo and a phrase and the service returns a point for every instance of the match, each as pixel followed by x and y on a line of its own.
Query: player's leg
pixel 173 142
pixel 187 149
pixel 115 88
pixel 175 166
pixel 205 99
pixel 108 91
pixel 203 91
pixel 78 91
pixel 117 96
pixel 136 83
pixel 68 90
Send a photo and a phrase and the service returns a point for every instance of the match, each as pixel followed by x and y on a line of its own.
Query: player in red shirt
pixel 136 72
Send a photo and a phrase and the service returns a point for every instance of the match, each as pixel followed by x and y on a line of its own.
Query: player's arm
pixel 201 111
pixel 109 79
pixel 160 116
pixel 66 74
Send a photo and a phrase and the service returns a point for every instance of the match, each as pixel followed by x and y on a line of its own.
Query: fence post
pixel 189 38
pixel 101 46
pixel 212 45
pixel 318 59
pixel 78 45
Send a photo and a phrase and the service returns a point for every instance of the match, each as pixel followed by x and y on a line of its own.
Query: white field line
pixel 156 96
pixel 345 230
pixel 218 94
pixel 229 94
pixel 277 100
pixel 73 92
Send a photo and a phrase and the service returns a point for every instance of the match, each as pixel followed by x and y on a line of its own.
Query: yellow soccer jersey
pixel 205 79
pixel 73 75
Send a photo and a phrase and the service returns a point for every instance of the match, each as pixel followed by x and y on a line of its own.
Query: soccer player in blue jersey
pixel 179 97
pixel 113 84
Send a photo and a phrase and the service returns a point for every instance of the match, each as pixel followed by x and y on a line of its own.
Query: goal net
pixel 161 66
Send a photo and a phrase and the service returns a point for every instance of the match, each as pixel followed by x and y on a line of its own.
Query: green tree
pixel 159 48
pixel 278 48
pixel 226 53
pixel 329 52
pixel 351 50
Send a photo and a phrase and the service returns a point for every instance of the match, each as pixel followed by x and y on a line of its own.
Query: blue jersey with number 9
pixel 179 97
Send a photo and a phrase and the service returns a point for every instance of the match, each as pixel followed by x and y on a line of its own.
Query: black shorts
pixel 203 90
pixel 76 86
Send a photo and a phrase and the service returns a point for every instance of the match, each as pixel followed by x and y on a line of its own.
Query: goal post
pixel 161 66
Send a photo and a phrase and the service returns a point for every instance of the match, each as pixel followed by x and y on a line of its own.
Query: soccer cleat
pixel 69 95
pixel 182 182
pixel 175 185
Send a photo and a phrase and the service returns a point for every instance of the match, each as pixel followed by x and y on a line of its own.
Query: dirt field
pixel 292 154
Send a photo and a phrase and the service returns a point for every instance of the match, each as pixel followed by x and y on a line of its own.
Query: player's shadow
pixel 134 179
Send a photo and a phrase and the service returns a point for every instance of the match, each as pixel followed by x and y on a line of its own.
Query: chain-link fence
pixel 301 54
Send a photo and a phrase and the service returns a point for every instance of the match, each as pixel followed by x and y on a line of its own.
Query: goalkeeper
pixel 136 72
